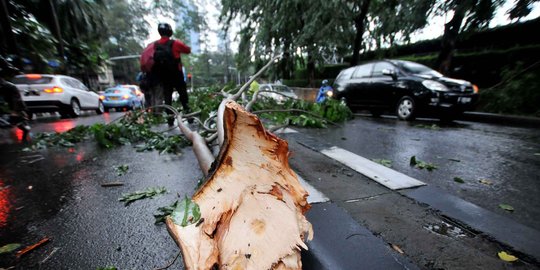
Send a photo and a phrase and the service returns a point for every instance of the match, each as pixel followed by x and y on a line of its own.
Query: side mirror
pixel 390 72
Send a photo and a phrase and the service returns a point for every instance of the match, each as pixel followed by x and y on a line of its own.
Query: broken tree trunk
pixel 252 204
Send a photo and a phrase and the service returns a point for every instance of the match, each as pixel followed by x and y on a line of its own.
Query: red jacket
pixel 178 47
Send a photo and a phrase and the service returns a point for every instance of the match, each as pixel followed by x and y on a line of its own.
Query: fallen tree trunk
pixel 251 205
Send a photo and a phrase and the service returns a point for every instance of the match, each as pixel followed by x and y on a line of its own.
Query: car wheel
pixel 75 109
pixel 406 109
pixel 100 108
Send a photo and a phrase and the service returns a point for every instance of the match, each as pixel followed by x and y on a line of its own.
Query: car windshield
pixel 32 79
pixel 418 69
pixel 116 91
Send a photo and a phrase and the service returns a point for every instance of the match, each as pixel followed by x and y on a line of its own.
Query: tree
pixel 470 15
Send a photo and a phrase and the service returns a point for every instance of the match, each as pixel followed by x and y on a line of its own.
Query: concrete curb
pixel 501 119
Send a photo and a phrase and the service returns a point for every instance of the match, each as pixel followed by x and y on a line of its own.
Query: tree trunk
pixel 311 68
pixel 359 22
pixel 9 44
pixel 252 205
pixel 451 32
pixel 58 34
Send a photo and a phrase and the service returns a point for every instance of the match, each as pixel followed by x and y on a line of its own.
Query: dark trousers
pixel 161 85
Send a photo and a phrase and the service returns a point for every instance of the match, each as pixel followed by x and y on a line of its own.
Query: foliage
pixel 517 94
pixel 422 164
pixel 9 248
pixel 506 207
pixel 133 128
pixel 293 112
pixel 459 180
pixel 186 213
pixel 122 169
pixel 150 192
pixel 164 211
pixel 384 162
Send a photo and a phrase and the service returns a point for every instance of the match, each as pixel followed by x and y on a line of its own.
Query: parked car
pixel 407 88
pixel 57 93
pixel 120 98
pixel 138 92
pixel 278 92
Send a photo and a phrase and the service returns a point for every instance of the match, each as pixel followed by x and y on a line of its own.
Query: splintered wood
pixel 252 204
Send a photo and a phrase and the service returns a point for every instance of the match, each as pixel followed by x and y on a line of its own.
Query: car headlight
pixel 434 86
pixel 329 93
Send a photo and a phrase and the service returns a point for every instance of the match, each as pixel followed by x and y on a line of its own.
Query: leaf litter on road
pixel 419 164
pixel 163 212
pixel 506 207
pixel 150 192
pixel 9 248
pixel 485 182
pixel 503 255
pixel 121 169
pixel 384 162
pixel 459 180
pixel 432 127
pixel 186 213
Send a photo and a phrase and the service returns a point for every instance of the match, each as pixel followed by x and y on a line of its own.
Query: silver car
pixel 278 92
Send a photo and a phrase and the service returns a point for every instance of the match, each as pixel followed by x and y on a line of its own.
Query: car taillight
pixel 475 88
pixel 125 96
pixel 102 97
pixel 53 90
pixel 33 76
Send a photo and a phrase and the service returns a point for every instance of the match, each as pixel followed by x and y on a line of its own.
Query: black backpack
pixel 163 57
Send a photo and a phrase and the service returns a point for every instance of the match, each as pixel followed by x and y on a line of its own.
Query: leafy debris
pixel 485 182
pixel 454 160
pixel 139 195
pixel 186 213
pixel 164 211
pixel 9 248
pixel 421 164
pixel 432 127
pixel 506 207
pixel 107 268
pixel 121 170
pixel 384 162
pixel 507 257
pixel 459 180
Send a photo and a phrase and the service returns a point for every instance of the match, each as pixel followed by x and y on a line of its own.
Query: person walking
pixel 165 69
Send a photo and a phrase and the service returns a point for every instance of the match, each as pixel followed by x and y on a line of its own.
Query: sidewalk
pixel 418 226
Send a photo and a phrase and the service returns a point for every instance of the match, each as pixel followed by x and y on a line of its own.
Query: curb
pixel 501 119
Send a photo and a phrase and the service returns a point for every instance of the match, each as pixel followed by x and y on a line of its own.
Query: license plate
pixel 464 99
pixel 113 98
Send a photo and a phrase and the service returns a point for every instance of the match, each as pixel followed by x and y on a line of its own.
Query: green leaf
pixel 163 212
pixel 421 164
pixel 506 207
pixel 413 162
pixel 107 268
pixel 459 180
pixel 139 195
pixel 121 170
pixel 384 162
pixel 455 160
pixel 186 213
pixel 9 248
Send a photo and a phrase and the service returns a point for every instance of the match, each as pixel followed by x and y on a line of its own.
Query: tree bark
pixel 359 22
pixel 449 39
pixel 311 68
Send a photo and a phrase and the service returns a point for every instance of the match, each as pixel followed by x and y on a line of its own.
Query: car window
pixel 415 68
pixel 282 88
pixel 345 74
pixel 32 79
pixel 377 70
pixel 68 82
pixel 264 88
pixel 79 84
pixel 115 91
pixel 363 71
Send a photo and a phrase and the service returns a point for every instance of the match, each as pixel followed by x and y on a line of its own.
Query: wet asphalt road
pixel 507 157
pixel 61 196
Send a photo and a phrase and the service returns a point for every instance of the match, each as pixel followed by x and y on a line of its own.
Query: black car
pixel 407 88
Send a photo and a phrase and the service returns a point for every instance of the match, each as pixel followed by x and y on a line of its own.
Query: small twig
pixel 49 256
pixel 211 138
pixel 170 264
pixel 112 184
pixel 273 129
pixel 254 77
pixel 296 110
pixel 32 247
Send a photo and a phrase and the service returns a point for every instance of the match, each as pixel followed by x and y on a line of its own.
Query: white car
pixel 279 92
pixel 57 93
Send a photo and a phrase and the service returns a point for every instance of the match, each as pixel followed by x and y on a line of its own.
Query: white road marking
pixel 383 175
pixel 315 196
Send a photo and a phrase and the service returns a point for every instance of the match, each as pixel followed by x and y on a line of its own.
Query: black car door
pixel 382 86
pixel 358 97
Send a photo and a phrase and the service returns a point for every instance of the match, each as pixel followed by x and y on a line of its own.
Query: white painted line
pixel 286 130
pixel 315 196
pixel 383 175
